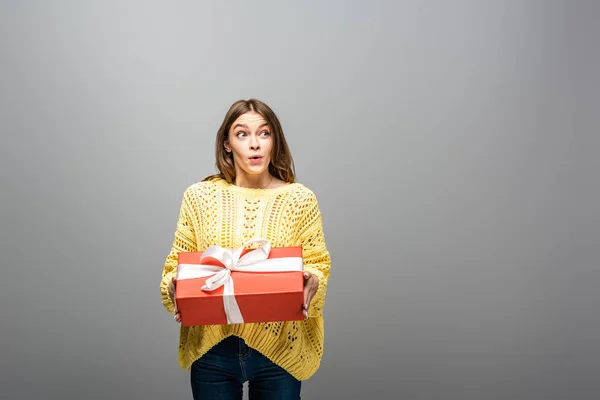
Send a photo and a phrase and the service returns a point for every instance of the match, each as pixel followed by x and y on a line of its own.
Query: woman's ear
pixel 227 147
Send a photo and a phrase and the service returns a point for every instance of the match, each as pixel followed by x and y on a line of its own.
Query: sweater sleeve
pixel 316 257
pixel 184 241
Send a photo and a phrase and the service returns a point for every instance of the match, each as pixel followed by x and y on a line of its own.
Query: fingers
pixel 307 286
pixel 305 307
pixel 311 284
pixel 307 299
pixel 307 275
pixel 177 315
pixel 171 288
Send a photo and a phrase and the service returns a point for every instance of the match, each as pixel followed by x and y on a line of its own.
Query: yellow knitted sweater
pixel 218 213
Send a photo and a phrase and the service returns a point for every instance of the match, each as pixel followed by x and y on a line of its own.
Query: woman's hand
pixel 311 284
pixel 171 289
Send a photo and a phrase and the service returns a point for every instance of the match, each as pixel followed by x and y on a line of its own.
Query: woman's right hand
pixel 171 289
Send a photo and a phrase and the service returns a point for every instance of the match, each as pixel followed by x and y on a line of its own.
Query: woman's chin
pixel 251 172
pixel 255 170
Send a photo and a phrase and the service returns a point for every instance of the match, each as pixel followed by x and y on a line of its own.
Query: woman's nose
pixel 254 143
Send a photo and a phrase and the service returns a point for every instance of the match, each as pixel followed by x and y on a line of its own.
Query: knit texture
pixel 218 213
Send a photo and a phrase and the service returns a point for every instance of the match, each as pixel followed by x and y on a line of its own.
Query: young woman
pixel 255 195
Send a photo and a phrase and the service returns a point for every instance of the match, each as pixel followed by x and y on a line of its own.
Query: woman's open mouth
pixel 255 159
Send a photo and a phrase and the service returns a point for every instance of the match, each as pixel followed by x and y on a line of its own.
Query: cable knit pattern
pixel 218 213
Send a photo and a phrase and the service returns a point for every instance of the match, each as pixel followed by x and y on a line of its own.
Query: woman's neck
pixel 262 181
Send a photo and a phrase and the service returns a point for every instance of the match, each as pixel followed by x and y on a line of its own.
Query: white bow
pixel 232 262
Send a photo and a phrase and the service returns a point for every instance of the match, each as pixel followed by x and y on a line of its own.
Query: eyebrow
pixel 246 126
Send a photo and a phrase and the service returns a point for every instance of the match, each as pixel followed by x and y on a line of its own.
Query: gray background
pixel 452 146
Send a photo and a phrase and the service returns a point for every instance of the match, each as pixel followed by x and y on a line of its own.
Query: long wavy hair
pixel 282 163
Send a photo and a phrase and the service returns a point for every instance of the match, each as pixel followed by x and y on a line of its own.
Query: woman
pixel 254 196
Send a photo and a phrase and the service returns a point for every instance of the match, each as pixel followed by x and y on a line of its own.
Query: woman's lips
pixel 255 160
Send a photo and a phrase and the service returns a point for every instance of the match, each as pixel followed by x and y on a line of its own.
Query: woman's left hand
pixel 311 284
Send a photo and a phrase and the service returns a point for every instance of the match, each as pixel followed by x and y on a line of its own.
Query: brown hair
pixel 281 165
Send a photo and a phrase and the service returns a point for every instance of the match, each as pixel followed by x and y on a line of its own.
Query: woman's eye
pixel 265 133
pixel 241 134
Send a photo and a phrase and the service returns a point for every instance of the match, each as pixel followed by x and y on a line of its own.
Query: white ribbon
pixel 255 260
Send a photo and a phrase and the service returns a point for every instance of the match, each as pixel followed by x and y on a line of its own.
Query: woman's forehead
pixel 250 118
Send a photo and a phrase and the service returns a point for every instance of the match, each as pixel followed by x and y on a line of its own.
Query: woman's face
pixel 251 143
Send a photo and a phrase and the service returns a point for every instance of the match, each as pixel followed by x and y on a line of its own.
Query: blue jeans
pixel 222 371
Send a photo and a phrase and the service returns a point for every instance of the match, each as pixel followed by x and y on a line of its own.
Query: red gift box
pixel 220 286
